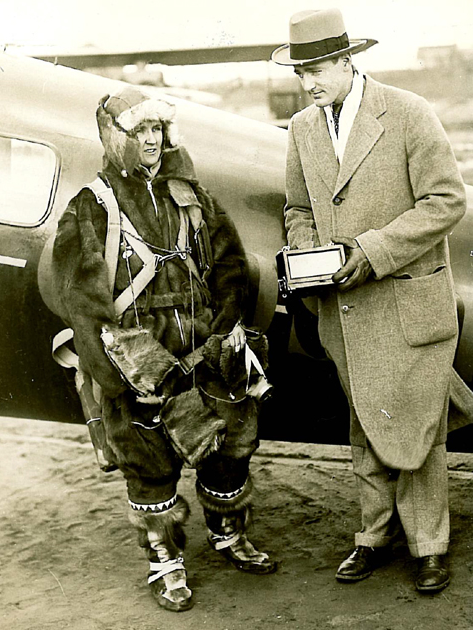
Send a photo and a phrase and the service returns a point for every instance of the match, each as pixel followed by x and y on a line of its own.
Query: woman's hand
pixel 237 338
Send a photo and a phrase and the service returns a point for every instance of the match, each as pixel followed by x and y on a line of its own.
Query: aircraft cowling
pixel 263 291
pixel 45 283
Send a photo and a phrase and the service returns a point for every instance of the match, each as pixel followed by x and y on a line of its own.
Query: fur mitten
pixel 223 360
pixel 141 360
pixel 193 428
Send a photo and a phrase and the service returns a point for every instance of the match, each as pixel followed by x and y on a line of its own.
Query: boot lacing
pixel 239 545
pixel 160 569
pixel 173 574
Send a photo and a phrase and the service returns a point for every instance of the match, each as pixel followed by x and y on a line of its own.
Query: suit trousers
pixel 418 498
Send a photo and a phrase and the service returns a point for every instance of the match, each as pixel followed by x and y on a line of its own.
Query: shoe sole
pixel 174 606
pixel 352 578
pixel 433 589
pixel 255 568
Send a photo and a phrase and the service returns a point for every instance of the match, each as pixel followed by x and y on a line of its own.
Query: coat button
pixel 345 308
pixel 337 201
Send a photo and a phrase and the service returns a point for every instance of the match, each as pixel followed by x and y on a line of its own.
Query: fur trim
pixel 177 165
pixel 116 119
pixel 213 503
pixel 120 149
pixel 164 527
pixel 148 109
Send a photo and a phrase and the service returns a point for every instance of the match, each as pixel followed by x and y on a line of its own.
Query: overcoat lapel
pixel 364 134
pixel 320 145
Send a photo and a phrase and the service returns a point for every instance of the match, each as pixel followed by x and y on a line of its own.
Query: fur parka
pixel 81 276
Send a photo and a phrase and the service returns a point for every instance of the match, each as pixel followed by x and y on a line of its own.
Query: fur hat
pixel 118 115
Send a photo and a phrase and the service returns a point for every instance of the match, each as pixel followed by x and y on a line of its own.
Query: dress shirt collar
pixel 348 112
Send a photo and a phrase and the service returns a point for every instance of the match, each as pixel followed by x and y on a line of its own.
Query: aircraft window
pixel 27 175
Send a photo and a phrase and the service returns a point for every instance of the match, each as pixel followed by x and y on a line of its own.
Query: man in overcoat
pixel 369 166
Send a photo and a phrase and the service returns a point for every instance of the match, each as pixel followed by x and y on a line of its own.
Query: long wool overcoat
pixel 399 193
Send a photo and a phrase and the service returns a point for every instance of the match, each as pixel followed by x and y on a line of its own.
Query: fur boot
pixel 228 516
pixel 161 534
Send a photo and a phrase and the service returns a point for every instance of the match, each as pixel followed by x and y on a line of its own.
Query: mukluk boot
pixel 227 516
pixel 161 534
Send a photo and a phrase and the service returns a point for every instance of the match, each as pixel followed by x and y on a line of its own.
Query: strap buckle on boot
pixel 163 568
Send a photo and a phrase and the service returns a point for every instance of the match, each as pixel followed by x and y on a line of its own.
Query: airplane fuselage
pixel 49 149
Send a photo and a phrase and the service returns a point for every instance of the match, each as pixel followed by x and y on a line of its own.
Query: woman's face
pixel 150 136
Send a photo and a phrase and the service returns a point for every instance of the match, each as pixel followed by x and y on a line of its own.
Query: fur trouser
pixel 151 466
pixel 223 483
pixel 226 496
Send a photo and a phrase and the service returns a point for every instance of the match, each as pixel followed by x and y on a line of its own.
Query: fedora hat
pixel 316 36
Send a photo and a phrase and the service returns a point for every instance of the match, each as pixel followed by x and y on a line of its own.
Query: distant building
pixel 445 57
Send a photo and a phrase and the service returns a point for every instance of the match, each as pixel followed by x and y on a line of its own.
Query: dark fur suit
pixel 172 392
pixel 142 449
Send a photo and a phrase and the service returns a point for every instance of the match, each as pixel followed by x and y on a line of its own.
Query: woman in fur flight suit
pixel 194 300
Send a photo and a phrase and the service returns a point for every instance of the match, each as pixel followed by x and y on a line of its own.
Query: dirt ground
pixel 70 559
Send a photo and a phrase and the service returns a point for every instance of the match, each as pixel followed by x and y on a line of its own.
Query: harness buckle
pixel 183 253
pixel 158 260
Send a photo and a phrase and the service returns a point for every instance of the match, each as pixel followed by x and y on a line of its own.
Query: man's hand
pixel 237 338
pixel 357 268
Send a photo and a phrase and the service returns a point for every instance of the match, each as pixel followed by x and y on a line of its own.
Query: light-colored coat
pixel 399 193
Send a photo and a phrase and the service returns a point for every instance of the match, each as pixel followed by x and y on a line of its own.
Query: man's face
pixel 326 81
pixel 150 136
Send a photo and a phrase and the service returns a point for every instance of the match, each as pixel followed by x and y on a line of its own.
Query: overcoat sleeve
pixel 80 278
pixel 437 189
pixel 299 219
pixel 229 279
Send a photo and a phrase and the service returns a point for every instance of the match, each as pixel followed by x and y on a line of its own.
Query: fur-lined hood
pixel 118 115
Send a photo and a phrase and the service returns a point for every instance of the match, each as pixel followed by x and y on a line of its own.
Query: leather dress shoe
pixel 433 574
pixel 360 564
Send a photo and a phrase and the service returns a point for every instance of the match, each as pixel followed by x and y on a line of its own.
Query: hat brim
pixel 282 55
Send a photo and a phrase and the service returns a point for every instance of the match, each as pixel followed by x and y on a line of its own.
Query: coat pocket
pixel 426 308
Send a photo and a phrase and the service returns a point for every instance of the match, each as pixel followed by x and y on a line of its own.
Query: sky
pixel 400 26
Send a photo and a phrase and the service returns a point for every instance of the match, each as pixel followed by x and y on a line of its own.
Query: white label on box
pixel 314 264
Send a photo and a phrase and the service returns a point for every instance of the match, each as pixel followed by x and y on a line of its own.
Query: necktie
pixel 336 118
